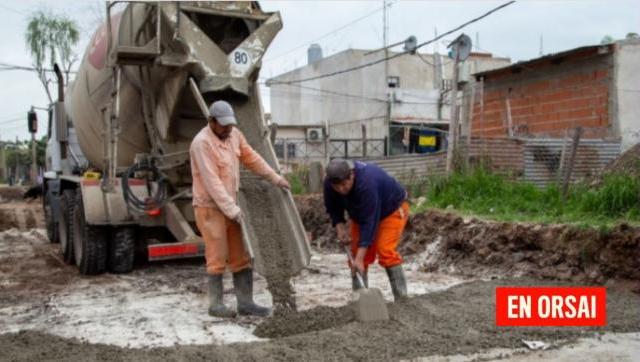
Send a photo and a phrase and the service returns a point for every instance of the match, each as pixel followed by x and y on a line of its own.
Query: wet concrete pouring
pixel 48 311
pixel 273 247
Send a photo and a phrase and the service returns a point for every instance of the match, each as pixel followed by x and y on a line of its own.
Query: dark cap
pixel 339 170
pixel 222 112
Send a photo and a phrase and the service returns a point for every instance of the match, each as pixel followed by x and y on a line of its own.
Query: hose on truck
pixel 153 202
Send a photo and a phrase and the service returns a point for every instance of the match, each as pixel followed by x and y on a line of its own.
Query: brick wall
pixel 546 98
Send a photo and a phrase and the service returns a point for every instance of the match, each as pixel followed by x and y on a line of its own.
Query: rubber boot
pixel 397 281
pixel 243 284
pixel 216 306
pixel 355 283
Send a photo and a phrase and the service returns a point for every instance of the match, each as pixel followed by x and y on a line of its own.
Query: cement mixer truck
pixel 118 178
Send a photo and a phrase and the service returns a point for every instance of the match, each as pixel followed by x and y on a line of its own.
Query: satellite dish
pixel 461 47
pixel 410 45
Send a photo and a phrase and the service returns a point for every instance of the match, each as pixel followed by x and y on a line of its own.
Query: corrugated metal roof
pixel 607 47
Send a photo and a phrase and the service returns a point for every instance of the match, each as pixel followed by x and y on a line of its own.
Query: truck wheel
pixel 122 249
pixel 51 224
pixel 65 225
pixel 89 242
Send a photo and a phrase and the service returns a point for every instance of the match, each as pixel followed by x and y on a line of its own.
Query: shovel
pixel 368 302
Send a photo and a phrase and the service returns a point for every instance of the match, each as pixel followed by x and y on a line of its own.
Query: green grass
pixel 298 179
pixel 496 197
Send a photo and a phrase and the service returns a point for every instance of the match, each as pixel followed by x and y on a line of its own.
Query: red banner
pixel 551 306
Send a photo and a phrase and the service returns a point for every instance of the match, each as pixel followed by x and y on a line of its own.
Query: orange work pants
pixel 222 241
pixel 386 240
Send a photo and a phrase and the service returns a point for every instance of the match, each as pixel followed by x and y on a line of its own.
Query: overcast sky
pixel 512 32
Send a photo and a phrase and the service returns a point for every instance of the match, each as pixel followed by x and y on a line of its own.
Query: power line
pixel 327 34
pixel 395 55
pixel 13 120
pixel 360 96
pixel 11 9
pixel 431 64
pixel 363 97
pixel 7 66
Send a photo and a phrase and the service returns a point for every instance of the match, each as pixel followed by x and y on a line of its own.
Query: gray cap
pixel 222 112
pixel 339 170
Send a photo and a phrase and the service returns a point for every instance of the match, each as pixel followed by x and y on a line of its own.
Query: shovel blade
pixel 369 305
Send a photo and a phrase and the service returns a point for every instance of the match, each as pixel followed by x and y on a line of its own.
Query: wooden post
pixel 470 123
pixel 327 142
pixel 364 140
pixel 570 162
pixel 563 158
pixel 509 120
pixel 286 155
pixel 315 177
pixel 3 163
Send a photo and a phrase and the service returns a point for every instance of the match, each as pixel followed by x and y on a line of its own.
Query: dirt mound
pixel 21 215
pixel 457 321
pixel 11 193
pixel 628 163
pixel 562 252
pixel 317 222
pixel 315 319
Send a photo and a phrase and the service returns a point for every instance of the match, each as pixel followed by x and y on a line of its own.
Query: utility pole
pixel 461 48
pixel 455 113
pixel 541 45
pixel 33 128
pixel 17 174
pixel 3 162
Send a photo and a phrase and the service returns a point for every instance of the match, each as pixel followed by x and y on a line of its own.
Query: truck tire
pixel 65 225
pixel 51 224
pixel 122 249
pixel 89 242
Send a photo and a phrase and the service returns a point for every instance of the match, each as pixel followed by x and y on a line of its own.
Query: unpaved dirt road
pixel 157 312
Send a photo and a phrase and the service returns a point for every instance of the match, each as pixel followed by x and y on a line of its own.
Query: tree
pixel 607 39
pixel 50 39
pixel 18 156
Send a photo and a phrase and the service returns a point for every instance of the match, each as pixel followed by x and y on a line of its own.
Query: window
pixel 291 150
pixel 279 149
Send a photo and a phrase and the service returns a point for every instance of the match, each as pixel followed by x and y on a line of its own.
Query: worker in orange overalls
pixel 216 153
pixel 378 210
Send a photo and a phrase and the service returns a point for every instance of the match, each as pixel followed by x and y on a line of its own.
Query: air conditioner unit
pixel 315 134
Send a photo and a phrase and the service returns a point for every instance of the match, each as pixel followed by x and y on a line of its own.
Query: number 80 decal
pixel 240 57
pixel 240 60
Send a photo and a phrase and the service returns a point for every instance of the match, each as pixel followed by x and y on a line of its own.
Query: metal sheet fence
pixel 410 169
pixel 544 162
pixel 538 160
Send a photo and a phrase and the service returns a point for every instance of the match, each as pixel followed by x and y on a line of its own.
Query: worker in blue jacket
pixel 378 211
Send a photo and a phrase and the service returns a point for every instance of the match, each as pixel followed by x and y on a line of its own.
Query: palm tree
pixel 50 39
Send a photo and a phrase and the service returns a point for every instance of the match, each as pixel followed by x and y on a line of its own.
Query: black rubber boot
pixel 243 284
pixel 216 307
pixel 355 283
pixel 397 281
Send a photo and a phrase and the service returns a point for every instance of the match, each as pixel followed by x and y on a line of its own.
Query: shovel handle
pixel 358 274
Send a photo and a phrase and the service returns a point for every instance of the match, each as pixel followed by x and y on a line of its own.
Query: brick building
pixel 595 87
